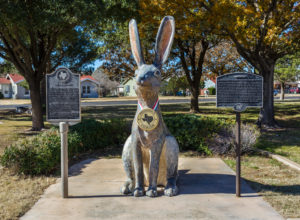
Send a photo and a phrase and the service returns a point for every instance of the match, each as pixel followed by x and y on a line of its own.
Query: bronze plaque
pixel 239 91
pixel 63 96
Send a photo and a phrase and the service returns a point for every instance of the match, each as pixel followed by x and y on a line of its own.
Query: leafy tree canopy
pixel 288 68
pixel 24 84
pixel 6 67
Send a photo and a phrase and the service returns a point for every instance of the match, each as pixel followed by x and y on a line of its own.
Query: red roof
pixel 16 77
pixel 4 81
pixel 83 77
pixel 213 78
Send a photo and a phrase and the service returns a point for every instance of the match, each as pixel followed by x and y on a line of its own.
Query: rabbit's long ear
pixel 135 43
pixel 164 40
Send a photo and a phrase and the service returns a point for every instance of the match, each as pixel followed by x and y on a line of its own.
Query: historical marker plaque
pixel 63 96
pixel 239 91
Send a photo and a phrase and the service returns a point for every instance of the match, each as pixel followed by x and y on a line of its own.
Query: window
pixel 88 89
pixel 127 88
pixel 83 89
pixel 26 92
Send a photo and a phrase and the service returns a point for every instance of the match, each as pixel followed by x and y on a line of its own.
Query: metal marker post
pixel 63 108
pixel 250 94
pixel 238 154
pixel 63 128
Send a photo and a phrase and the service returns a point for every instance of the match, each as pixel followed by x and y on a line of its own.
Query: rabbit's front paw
pixel 171 191
pixel 138 192
pixel 151 192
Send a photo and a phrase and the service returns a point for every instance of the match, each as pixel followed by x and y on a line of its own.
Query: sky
pixel 97 63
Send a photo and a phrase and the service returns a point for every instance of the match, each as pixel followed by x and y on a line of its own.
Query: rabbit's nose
pixel 147 75
pixel 144 77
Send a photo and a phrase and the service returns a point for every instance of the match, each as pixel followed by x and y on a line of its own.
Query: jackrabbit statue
pixel 150 154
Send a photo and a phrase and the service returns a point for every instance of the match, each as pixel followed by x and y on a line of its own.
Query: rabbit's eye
pixel 157 73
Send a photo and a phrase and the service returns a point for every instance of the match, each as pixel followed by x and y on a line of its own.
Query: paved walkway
pixel 207 191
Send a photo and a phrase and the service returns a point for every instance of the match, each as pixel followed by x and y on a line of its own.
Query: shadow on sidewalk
pixel 193 183
pixel 209 183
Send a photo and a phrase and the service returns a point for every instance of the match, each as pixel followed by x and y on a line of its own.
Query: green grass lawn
pixel 12 127
pixel 277 183
pixel 285 141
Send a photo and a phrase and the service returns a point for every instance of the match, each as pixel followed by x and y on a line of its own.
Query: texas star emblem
pixel 147 119
pixel 63 75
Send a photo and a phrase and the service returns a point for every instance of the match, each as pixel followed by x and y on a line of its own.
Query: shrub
pixel 99 134
pixel 223 143
pixel 41 154
pixel 193 132
pixel 212 90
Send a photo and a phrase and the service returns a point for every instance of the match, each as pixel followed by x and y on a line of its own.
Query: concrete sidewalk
pixel 207 191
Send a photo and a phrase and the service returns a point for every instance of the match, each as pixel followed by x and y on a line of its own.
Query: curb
pixel 281 159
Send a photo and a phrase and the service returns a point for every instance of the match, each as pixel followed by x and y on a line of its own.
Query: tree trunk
pixel 194 73
pixel 37 111
pixel 43 90
pixel 282 91
pixel 194 100
pixel 266 115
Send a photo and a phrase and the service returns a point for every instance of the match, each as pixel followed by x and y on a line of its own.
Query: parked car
pixel 294 90
pixel 179 93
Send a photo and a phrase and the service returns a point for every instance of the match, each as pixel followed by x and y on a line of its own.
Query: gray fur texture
pixel 150 158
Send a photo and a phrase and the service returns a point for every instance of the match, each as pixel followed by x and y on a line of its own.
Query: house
pixel 10 87
pixel 208 83
pixel 128 88
pixel 89 87
pixel 5 87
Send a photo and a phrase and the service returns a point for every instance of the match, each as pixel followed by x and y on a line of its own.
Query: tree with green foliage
pixel 175 84
pixel 24 84
pixel 6 67
pixel 77 52
pixel 35 33
pixel 287 69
